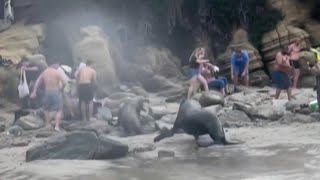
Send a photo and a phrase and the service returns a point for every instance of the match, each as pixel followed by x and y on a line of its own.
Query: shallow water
pixel 279 162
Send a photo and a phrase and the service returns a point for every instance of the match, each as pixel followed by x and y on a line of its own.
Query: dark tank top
pixel 193 63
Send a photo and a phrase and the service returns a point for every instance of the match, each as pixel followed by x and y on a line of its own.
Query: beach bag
pixel 23 87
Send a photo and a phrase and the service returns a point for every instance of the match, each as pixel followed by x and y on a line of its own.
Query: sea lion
pixel 195 121
pixel 129 116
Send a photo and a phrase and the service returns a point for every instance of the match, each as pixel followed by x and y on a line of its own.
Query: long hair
pixel 193 54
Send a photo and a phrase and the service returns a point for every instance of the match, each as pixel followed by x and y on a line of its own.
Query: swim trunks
pixel 282 80
pixel 52 101
pixel 85 92
pixel 295 64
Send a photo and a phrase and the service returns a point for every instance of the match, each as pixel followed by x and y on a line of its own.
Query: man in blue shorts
pixel 239 61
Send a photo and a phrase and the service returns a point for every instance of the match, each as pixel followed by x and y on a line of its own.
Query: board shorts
pixel 281 80
pixel 194 72
pixel 238 70
pixel 85 92
pixel 52 101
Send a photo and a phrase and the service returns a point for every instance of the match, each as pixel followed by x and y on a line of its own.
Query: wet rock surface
pixel 88 146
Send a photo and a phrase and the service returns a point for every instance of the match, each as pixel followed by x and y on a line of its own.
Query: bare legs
pixel 296 75
pixel 278 91
pixel 58 118
pixel 195 84
pixel 86 110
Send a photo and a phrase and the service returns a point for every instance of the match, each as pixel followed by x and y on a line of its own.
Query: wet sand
pixel 273 152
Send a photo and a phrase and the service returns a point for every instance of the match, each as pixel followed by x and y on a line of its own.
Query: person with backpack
pixel 239 61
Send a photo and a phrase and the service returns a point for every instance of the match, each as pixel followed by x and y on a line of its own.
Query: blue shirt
pixel 241 61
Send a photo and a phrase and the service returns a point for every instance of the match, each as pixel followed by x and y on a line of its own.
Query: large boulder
pixel 235 118
pixel 161 61
pixel 21 40
pixel 211 98
pixel 30 122
pixel 97 126
pixel 78 145
pixel 95 46
pixel 283 35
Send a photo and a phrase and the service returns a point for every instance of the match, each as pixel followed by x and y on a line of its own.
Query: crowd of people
pixel 285 76
pixel 47 84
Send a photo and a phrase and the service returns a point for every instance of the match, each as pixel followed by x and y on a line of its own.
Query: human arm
pixel 38 81
pixel 33 68
pixel 246 68
pixel 232 61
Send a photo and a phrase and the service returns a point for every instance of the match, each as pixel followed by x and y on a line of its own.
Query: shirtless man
pixel 86 79
pixel 52 101
pixel 281 74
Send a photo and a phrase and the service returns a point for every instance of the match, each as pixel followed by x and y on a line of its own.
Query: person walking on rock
pixel 52 101
pixel 239 61
pixel 86 81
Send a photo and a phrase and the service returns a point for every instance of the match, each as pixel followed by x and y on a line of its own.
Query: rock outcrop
pixel 20 40
pixel 78 145
pixel 94 46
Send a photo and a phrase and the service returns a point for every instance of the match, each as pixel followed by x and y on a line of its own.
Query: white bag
pixel 23 87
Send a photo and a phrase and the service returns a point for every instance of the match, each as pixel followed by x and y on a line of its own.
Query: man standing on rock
pixel 282 71
pixel 239 61
pixel 86 80
pixel 52 101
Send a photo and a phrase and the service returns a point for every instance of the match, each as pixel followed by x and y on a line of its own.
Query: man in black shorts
pixel 86 79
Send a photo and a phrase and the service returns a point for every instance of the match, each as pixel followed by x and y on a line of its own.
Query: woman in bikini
pixel 196 62
pixel 294 52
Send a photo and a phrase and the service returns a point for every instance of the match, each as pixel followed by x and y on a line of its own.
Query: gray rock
pixel 315 115
pixel 235 118
pixel 161 125
pixel 268 112
pixel 293 105
pixel 139 91
pixel 2 128
pixel 161 110
pixel 245 107
pixel 44 134
pixel 169 118
pixel 78 145
pixel 99 127
pixel 143 148
pixel 15 131
pixel 20 143
pixel 292 117
pixel 104 113
pixel 165 154
pixel 30 122
pixel 211 98
pixel 215 109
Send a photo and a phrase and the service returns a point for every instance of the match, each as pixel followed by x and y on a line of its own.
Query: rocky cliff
pixel 148 41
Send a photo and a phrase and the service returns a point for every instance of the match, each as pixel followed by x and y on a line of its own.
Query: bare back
pixel 86 75
pixel 51 79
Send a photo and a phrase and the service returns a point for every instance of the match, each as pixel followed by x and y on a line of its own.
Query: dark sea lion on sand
pixel 196 121
pixel 129 116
